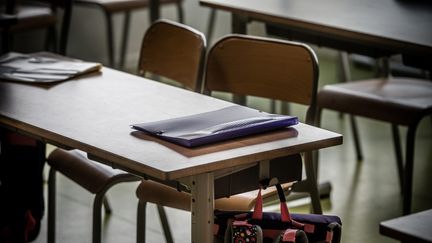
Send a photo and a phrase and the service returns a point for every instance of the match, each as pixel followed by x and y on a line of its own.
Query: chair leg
pixel 398 152
pixel 110 35
pixel 6 40
pixel 154 10
pixel 141 222
pixel 180 12
pixel 107 205
pixel 65 26
pixel 356 138
pixel 313 184
pixel 285 108
pixel 310 185
pixel 345 77
pixel 345 66
pixel 273 106
pixel 239 99
pixel 211 22
pixel 51 205
pixel 51 39
pixel 344 70
pixel 97 216
pixel 125 39
pixel 408 172
pixel 165 225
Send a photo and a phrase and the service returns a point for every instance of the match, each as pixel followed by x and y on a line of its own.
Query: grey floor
pixel 364 193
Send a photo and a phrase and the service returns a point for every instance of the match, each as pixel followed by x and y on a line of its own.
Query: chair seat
pixel 122 5
pixel 396 100
pixel 157 193
pixel 91 175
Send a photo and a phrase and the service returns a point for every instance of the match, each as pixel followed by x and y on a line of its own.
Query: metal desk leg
pixel 239 26
pixel 346 76
pixel 202 207
pixel 154 10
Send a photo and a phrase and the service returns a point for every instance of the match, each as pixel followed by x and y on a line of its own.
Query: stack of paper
pixel 42 67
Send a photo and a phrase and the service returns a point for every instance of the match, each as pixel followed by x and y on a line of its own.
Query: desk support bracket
pixel 264 174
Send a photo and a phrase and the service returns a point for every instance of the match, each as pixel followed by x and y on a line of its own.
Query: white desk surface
pixel 93 114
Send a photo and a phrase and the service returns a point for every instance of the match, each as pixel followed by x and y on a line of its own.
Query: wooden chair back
pixel 263 67
pixel 174 51
pixel 274 69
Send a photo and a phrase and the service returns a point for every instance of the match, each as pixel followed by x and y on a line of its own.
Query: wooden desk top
pixel 93 114
pixel 400 26
pixel 411 228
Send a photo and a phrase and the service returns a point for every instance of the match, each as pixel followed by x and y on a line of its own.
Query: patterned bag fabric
pixel 291 236
pixel 243 232
pixel 318 228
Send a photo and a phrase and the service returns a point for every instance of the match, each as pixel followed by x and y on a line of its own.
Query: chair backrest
pixel 275 69
pixel 174 51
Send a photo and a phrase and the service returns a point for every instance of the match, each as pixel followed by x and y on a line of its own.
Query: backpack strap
pixel 285 215
pixel 258 209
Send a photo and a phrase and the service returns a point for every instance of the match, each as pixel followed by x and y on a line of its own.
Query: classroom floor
pixel 363 193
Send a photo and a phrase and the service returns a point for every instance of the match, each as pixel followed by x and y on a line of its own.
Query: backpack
pixel 276 227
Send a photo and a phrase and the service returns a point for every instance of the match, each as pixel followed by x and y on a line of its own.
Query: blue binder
pixel 209 127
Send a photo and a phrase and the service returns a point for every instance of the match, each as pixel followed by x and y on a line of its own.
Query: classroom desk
pixel 93 113
pixel 368 27
pixel 410 228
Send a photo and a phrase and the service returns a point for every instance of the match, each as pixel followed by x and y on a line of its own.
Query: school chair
pixel 273 69
pixel 397 100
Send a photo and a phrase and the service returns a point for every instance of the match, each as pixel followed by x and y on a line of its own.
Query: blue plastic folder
pixel 219 125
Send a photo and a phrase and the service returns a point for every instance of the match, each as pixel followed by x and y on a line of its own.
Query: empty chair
pixel 97 178
pixel 398 101
pixel 110 7
pixel 278 70
pixel 173 51
pixel 41 14
pixel 247 65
